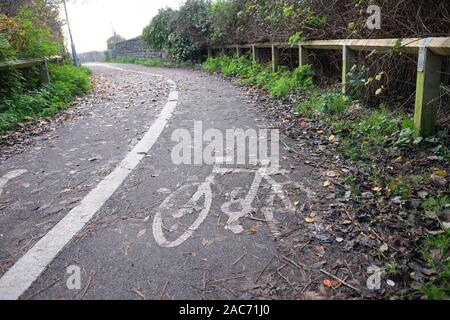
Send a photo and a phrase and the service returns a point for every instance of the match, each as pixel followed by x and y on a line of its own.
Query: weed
pixel 279 84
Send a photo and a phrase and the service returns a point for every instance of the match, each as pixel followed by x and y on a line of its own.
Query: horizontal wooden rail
pixel 440 46
pixel 23 64
pixel 430 55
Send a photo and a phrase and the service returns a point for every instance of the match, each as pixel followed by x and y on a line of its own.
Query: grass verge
pixel 144 62
pixel 67 83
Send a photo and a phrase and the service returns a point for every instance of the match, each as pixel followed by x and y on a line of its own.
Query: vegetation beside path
pixel 400 187
pixel 35 32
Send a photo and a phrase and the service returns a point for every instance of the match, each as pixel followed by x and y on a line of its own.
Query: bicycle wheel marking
pixel 158 223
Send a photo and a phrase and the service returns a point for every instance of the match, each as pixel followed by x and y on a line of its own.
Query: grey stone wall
pixel 136 48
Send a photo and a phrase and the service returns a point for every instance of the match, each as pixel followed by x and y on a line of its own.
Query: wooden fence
pixel 24 64
pixel 429 66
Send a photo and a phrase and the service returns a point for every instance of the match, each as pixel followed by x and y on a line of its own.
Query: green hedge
pixel 67 82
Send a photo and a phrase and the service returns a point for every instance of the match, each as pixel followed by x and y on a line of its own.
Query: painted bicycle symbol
pixel 196 200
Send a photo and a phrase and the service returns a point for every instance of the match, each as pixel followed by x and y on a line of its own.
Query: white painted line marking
pixel 28 268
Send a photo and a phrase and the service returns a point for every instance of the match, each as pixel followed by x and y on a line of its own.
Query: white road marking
pixel 204 191
pixel 30 266
pixel 9 176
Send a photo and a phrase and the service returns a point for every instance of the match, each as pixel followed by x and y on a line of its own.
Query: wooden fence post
pixel 348 61
pixel 256 53
pixel 427 91
pixel 44 74
pixel 303 55
pixel 275 58
pixel 209 53
pixel 238 51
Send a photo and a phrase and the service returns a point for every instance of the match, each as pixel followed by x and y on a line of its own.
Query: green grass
pixel 435 251
pixel 144 62
pixel 323 104
pixel 279 84
pixel 67 82
pixel 366 135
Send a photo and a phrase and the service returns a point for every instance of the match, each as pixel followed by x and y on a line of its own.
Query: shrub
pixel 67 83
pixel 279 84
pixel 329 103
pixel 157 33
pixel 35 39
pixel 292 82
pixel 181 32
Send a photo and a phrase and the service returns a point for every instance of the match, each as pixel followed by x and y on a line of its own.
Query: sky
pixel 93 21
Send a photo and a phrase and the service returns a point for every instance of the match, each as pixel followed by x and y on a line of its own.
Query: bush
pixel 183 33
pixel 292 82
pixel 67 83
pixel 328 103
pixel 279 84
pixel 157 33
pixel 25 36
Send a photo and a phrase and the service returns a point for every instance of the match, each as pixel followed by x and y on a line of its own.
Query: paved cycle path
pixel 115 247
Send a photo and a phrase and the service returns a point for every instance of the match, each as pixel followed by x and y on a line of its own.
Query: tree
pixel 157 33
pixel 115 39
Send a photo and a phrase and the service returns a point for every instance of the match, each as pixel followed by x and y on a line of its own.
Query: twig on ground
pixel 264 269
pixel 340 280
pixel 140 294
pixel 88 285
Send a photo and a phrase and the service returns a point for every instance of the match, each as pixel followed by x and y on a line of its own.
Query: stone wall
pixel 136 48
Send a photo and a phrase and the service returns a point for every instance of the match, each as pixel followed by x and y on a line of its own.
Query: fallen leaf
pixel 327 283
pixel 310 220
pixel 422 194
pixel 320 250
pixel 327 184
pixel 253 229
pixel 311 295
pixel 440 173
pixel 332 174
pixel 390 283
pixel 377 189
pixel 384 247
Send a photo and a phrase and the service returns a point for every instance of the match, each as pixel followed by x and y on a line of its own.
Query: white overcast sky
pixel 92 20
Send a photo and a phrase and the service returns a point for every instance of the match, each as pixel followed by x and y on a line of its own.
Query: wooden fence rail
pixel 24 64
pixel 429 66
